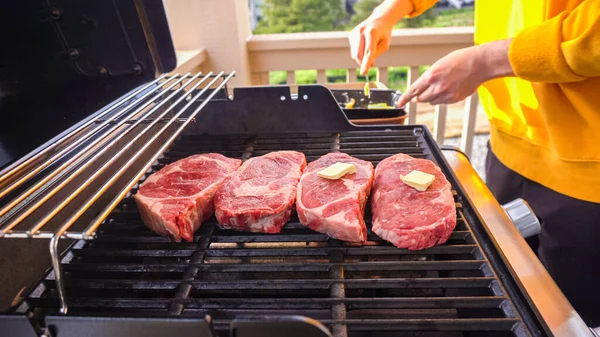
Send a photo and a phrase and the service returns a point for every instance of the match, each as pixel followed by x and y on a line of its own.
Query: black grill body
pixel 226 280
pixel 61 61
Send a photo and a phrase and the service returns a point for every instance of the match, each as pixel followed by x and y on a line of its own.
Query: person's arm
pixel 372 37
pixel 457 75
pixel 565 48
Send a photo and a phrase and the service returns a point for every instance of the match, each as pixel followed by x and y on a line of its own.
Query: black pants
pixel 569 244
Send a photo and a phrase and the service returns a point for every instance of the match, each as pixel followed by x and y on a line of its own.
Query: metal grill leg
pixel 58 273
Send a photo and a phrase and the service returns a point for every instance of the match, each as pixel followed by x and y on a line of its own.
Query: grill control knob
pixel 523 217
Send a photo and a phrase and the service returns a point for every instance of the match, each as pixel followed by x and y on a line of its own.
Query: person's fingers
pixel 360 49
pixel 413 92
pixel 357 45
pixel 382 47
pixel 370 44
pixel 438 101
pixel 446 98
pixel 405 98
pixel 428 95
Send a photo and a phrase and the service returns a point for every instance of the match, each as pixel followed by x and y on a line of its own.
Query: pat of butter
pixel 417 179
pixel 337 171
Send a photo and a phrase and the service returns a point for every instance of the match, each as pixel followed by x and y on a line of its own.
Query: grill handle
pixel 552 306
pixel 523 217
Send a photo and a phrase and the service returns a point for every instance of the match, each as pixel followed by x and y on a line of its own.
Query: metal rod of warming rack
pixel 40 224
pixel 86 163
pixel 117 155
pixel 100 218
pixel 79 140
pixel 76 159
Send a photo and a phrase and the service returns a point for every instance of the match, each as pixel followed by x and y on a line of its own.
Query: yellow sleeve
pixel 420 6
pixel 565 48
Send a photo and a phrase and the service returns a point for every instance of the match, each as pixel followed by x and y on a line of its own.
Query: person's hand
pixel 372 37
pixel 368 40
pixel 458 74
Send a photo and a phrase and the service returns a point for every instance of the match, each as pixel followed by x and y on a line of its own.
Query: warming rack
pixel 163 103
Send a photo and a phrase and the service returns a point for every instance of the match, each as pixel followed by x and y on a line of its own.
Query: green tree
pixel 292 16
pixel 362 10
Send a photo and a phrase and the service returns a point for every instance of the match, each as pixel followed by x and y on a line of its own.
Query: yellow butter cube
pixel 337 171
pixel 418 180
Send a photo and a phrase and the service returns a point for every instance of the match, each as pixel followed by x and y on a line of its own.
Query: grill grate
pixel 373 290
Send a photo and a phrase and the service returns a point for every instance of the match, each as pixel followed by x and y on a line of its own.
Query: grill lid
pixel 63 60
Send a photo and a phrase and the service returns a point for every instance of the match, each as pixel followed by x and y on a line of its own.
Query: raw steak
pixel 175 200
pixel 335 207
pixel 259 197
pixel 406 217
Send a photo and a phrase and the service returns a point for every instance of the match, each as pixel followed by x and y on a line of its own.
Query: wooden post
pixel 321 77
pixel 439 123
pixel 351 75
pixel 413 74
pixel 290 77
pixel 382 75
pixel 469 123
pixel 261 78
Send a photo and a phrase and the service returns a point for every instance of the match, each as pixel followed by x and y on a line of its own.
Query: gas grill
pixel 119 271
pixel 111 276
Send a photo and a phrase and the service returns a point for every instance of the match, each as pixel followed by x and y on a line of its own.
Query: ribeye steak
pixel 406 217
pixel 335 207
pixel 175 200
pixel 260 196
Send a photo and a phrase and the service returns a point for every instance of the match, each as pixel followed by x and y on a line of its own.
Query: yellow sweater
pixel 545 124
